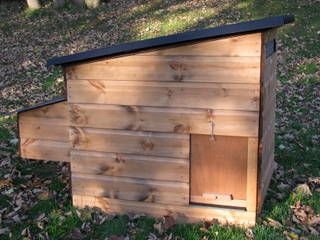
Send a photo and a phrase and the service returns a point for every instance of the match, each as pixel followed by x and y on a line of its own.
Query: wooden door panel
pixel 218 170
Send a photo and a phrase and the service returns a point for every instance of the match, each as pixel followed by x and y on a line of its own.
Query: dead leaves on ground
pixel 305 217
pixel 164 224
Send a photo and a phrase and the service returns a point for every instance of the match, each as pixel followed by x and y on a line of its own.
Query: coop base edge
pixel 182 214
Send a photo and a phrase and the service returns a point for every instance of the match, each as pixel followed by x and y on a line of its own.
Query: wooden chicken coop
pixel 181 125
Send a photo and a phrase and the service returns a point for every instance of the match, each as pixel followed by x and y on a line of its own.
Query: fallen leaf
pixel 314 231
pixel 44 195
pixel 152 236
pixel 293 235
pixel 208 224
pixel 5 183
pixel 283 186
pixel 249 233
pixel 41 216
pixel 168 222
pixel 303 189
pixel 16 218
pixel 114 237
pixel 76 234
pixel 315 220
pixel 274 223
pixel 4 230
pixel 159 227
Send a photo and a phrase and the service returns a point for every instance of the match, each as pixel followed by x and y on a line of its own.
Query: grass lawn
pixel 35 201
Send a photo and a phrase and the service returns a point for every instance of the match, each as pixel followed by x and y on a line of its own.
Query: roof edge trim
pixel 195 35
pixel 43 104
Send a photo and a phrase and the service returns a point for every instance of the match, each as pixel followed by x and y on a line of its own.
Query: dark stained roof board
pixel 217 32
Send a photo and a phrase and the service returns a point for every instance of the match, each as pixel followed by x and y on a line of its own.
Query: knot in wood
pixel 210 115
pixel 177 66
pixel 78 136
pixel 169 93
pixel 77 116
pixel 98 85
pixel 132 109
pixel 147 145
pixel 120 159
pixel 180 128
pixel 107 169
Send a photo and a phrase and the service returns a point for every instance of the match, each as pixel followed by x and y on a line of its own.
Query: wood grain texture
pixel 166 94
pixel 268 145
pixel 133 189
pixel 170 68
pixel 267 117
pixel 43 128
pixel 44 134
pixel 267 176
pixel 236 46
pixel 221 202
pixel 142 143
pixel 182 214
pixel 45 150
pixel 47 122
pixel 252 174
pixel 175 120
pixel 126 165
pixel 218 167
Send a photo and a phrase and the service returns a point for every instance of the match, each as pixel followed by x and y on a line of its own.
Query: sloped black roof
pixel 222 31
pixel 43 104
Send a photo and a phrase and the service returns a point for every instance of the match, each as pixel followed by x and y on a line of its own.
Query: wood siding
pixel 44 133
pixel 166 94
pixel 133 189
pixel 171 68
pixel 174 120
pixel 180 213
pixel 128 165
pixel 267 118
pixel 42 149
pixel 144 143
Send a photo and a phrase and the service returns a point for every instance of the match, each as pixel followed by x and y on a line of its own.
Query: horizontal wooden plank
pixel 191 213
pixel 43 128
pixel 45 149
pixel 221 202
pixel 141 190
pixel 242 45
pixel 56 110
pixel 125 165
pixel 177 120
pixel 143 143
pixel 166 94
pixel 170 68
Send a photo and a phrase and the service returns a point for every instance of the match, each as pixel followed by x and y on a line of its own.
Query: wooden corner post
pixel 252 174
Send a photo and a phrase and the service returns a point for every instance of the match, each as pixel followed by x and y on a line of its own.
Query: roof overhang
pixel 191 36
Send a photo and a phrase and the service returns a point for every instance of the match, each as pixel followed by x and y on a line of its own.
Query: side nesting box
pixel 181 125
